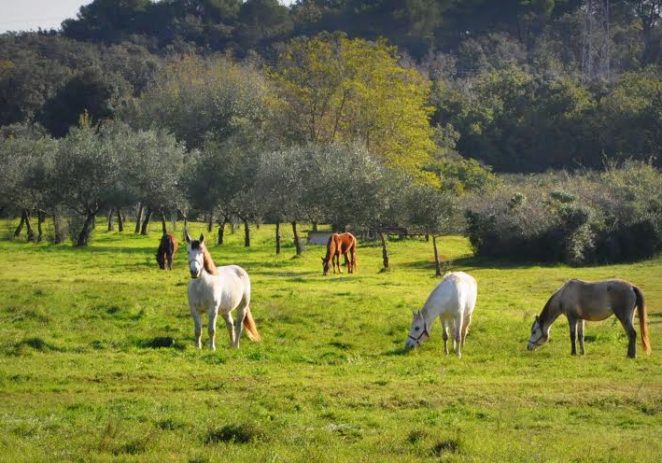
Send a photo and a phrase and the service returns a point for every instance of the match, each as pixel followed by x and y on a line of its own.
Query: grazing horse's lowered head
pixel 418 333
pixel 539 336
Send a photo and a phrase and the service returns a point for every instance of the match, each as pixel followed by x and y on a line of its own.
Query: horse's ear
pixel 188 237
pixel 537 318
pixel 202 238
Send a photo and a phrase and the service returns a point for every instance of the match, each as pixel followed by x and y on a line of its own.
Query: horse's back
pixel 467 290
pixel 456 292
pixel 596 296
pixel 236 273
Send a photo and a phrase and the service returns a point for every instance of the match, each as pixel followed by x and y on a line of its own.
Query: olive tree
pixel 25 155
pixel 430 211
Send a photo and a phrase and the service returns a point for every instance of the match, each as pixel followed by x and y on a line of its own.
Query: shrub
pixel 612 216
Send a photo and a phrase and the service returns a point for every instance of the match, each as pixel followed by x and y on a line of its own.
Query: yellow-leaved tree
pixel 336 89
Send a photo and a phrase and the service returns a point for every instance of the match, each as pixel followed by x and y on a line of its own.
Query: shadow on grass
pixel 469 263
pixel 398 351
pixel 161 342
pixel 243 433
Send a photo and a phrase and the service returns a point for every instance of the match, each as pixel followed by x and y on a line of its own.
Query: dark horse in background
pixel 166 251
pixel 340 243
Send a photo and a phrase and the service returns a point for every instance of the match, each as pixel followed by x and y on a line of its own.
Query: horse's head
pixel 196 255
pixel 325 265
pixel 539 335
pixel 418 332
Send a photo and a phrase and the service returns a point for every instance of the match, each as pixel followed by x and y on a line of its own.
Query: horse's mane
pixel 331 246
pixel 545 313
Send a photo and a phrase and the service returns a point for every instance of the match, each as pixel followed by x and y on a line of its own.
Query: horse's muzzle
pixel 195 275
pixel 531 346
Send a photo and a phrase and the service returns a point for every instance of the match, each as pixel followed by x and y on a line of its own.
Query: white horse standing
pixel 218 290
pixel 453 300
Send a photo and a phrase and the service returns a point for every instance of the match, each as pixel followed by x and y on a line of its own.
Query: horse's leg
pixel 457 334
pixel 630 331
pixel 465 328
pixel 211 327
pixel 580 334
pixel 239 323
pixel 572 322
pixel 229 325
pixel 444 334
pixel 197 326
pixel 338 262
pixel 352 260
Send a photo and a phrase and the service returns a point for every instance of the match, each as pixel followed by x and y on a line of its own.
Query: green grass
pixel 97 362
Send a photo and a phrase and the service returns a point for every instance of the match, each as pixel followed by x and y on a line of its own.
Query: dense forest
pixel 519 85
pixel 440 92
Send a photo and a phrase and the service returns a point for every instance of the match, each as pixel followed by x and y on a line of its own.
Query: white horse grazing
pixel 453 300
pixel 218 290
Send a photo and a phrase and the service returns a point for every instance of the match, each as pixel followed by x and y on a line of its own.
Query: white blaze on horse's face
pixel 538 336
pixel 418 333
pixel 195 259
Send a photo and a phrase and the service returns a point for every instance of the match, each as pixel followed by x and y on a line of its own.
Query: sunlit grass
pixel 97 362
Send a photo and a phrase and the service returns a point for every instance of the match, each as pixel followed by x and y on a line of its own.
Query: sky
pixel 25 15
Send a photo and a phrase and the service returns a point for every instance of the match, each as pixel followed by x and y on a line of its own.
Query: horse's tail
pixel 643 319
pixel 251 329
pixel 172 242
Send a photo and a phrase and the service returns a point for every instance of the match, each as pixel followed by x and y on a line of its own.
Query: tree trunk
pixel 111 225
pixel 437 262
pixel 19 229
pixel 314 226
pixel 57 229
pixel 139 218
pixel 84 236
pixel 120 222
pixel 28 226
pixel 277 237
pixel 144 230
pixel 221 231
pixel 247 234
pixel 297 241
pixel 384 250
pixel 164 227
pixel 41 217
pixel 210 222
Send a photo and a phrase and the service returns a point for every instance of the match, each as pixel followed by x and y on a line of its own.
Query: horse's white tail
pixel 251 329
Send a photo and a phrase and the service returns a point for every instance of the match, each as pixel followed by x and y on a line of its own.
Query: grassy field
pixel 97 362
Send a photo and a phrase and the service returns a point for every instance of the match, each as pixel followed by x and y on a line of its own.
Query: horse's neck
pixel 330 249
pixel 550 312
pixel 209 264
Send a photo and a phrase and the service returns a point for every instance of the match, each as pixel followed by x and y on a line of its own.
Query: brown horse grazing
pixel 340 243
pixel 166 251
pixel 581 300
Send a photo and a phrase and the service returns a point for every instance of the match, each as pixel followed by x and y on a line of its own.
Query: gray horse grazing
pixel 582 300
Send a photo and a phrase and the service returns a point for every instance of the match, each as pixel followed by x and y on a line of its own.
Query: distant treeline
pixel 519 85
